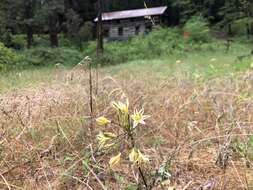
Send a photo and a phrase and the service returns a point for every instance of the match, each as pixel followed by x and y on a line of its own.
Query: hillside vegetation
pixel 165 43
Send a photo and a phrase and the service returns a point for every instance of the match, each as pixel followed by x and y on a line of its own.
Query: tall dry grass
pixel 193 131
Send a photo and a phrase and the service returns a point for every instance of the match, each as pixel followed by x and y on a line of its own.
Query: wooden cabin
pixel 121 25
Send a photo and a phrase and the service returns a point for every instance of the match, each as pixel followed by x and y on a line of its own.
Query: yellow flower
pixel 122 107
pixel 138 117
pixel 142 158
pixel 133 156
pixel 123 113
pixel 104 139
pixel 137 157
pixel 114 161
pixel 102 121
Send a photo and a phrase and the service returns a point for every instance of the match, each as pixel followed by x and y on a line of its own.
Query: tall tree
pixel 29 6
pixel 8 21
pixel 53 11
pixel 231 11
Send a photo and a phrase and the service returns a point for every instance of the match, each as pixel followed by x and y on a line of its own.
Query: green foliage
pixel 187 9
pixel 52 17
pixel 246 149
pixel 6 37
pixel 72 24
pixel 85 32
pixel 131 187
pixel 197 29
pixel 18 42
pixel 236 16
pixel 41 41
pixel 239 26
pixel 42 56
pixel 8 57
pixel 162 42
pixel 199 62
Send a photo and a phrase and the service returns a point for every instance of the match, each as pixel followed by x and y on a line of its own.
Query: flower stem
pixel 143 177
pixel 130 134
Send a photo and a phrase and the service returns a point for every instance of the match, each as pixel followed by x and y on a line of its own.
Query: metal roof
pixel 132 13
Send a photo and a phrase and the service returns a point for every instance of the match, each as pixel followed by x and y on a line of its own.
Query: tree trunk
pixel 251 28
pixel 230 29
pixel 29 28
pixel 248 30
pixel 29 36
pixel 53 30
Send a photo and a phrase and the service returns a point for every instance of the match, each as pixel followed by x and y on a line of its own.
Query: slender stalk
pixel 130 135
pixel 143 178
pixel 100 43
pixel 96 89
pixel 91 99
pixel 91 88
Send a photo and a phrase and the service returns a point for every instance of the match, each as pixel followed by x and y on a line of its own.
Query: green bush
pixel 8 58
pixel 196 29
pixel 19 41
pixel 239 27
pixel 6 37
pixel 85 32
pixel 160 42
pixel 41 40
pixel 40 56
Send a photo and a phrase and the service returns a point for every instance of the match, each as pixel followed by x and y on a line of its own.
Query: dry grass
pixel 45 142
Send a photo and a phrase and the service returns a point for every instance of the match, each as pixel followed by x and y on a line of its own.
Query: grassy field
pixel 199 66
pixel 201 121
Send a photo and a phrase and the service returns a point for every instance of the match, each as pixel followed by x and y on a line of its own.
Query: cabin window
pixel 120 31
pixel 137 30
pixel 106 32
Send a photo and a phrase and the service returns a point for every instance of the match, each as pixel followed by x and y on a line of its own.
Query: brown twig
pixel 96 177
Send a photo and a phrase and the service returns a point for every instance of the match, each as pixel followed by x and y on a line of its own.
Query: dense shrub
pixel 196 29
pixel 85 32
pixel 160 42
pixel 19 41
pixel 6 37
pixel 8 58
pixel 239 27
pixel 41 40
pixel 41 56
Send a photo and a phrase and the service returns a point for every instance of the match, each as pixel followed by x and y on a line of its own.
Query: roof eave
pixel 105 19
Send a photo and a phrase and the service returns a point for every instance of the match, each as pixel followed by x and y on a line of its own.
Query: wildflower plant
pixel 127 122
